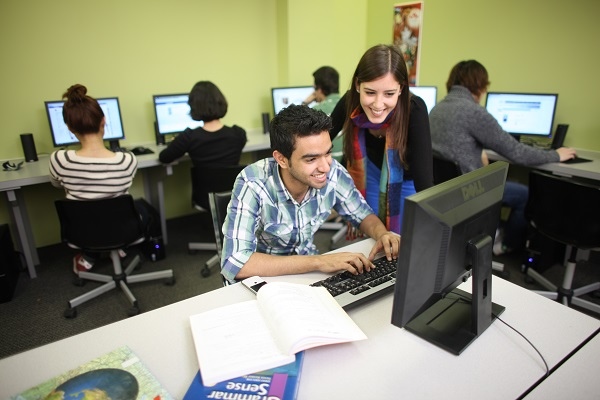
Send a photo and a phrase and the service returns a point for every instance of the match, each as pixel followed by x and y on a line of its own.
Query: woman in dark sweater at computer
pixel 461 128
pixel 214 143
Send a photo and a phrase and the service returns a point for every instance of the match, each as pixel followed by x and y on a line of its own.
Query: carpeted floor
pixel 34 316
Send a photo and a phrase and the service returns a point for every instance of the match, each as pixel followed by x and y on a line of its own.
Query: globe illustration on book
pixel 107 383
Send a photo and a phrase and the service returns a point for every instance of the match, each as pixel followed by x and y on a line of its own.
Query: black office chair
pixel 444 169
pixel 208 180
pixel 565 210
pixel 101 226
pixel 218 209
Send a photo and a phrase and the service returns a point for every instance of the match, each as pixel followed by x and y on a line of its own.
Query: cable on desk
pixel 558 364
pixel 528 341
pixel 519 333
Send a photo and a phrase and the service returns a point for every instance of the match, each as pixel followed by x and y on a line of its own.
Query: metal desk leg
pixel 154 192
pixel 20 220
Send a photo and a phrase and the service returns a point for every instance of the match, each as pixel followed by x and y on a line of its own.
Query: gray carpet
pixel 34 316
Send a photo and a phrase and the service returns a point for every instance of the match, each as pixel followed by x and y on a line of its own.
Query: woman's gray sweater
pixel 461 129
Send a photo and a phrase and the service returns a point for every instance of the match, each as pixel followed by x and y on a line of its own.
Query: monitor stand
pixel 160 139
pixel 114 145
pixel 457 319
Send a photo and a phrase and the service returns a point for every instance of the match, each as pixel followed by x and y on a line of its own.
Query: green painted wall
pixel 528 46
pixel 136 48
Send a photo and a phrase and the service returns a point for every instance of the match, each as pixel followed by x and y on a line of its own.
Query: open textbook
pixel 256 335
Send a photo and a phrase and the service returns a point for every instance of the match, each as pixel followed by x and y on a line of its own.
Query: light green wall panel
pixel 132 49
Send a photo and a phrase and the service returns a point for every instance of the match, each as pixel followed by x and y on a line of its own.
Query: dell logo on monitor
pixel 472 190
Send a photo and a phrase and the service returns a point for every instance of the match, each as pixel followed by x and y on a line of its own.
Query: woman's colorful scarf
pixel 392 173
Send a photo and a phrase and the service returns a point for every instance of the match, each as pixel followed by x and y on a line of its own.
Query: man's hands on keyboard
pixel 354 289
pixel 353 263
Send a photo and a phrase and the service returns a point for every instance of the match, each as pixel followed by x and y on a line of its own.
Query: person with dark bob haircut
pixel 385 128
pixel 278 204
pixel 92 171
pixel 461 129
pixel 214 143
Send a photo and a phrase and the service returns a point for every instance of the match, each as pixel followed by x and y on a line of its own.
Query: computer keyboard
pixel 352 290
pixel 576 160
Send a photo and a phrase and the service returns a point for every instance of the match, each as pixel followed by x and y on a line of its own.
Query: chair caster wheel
pixel 70 313
pixel 133 311
pixel 77 281
pixel 205 272
pixel 170 281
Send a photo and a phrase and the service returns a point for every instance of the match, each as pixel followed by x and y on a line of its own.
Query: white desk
pixel 35 173
pixel 391 364
pixel 577 378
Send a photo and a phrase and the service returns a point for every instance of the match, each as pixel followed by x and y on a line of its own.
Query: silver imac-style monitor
pixel 284 96
pixel 62 136
pixel 448 232
pixel 172 113
pixel 523 113
pixel 427 93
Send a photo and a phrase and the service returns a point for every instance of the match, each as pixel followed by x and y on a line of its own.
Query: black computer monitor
pixel 447 236
pixel 523 113
pixel 62 136
pixel 427 93
pixel 172 113
pixel 284 96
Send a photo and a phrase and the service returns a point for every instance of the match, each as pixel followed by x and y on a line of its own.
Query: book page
pixel 234 340
pixel 304 316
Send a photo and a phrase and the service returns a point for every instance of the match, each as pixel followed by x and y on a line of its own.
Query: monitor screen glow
pixel 523 113
pixel 62 136
pixel 427 93
pixel 172 113
pixel 284 96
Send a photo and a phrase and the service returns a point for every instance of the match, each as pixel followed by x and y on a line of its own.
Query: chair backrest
pixel 218 209
pixel 565 209
pixel 444 169
pixel 212 179
pixel 100 225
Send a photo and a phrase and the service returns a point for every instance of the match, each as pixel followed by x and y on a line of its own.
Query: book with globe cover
pixel 119 374
pixel 279 383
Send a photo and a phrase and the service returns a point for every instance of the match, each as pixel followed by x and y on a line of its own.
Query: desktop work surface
pixel 588 170
pixel 36 173
pixel 392 363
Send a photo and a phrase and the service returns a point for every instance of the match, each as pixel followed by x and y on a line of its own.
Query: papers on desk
pixel 256 335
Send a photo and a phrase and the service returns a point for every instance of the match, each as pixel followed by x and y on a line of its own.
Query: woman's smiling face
pixel 379 97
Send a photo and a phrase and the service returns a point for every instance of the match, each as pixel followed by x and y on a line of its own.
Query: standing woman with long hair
pixel 387 143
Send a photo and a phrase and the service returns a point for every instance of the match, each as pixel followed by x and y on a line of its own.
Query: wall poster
pixel 408 19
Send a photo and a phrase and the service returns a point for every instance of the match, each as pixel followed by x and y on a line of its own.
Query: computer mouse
pixel 139 150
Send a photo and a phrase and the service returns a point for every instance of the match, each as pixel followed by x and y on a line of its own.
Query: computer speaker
pixel 29 147
pixel 559 135
pixel 265 122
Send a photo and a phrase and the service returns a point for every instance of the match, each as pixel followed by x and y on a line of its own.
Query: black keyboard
pixel 352 290
pixel 576 160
